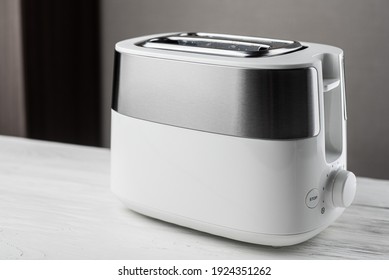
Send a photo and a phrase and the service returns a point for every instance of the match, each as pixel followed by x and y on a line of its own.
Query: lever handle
pixel 330 84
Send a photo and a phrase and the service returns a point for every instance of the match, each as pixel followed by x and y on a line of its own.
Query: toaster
pixel 241 137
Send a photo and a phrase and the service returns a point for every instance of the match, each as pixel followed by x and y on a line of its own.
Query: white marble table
pixel 55 203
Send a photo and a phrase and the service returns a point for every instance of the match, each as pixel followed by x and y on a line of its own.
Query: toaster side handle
pixel 334 108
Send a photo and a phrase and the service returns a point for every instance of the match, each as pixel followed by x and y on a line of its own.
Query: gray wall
pixel 359 27
pixel 12 113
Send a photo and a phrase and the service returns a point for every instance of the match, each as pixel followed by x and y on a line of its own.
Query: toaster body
pixel 236 136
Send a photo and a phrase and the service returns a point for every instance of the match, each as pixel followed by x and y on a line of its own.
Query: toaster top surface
pixel 227 50
pixel 221 44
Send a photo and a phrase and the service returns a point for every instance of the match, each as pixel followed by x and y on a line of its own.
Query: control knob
pixel 343 188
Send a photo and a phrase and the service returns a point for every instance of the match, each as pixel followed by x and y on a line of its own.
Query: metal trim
pixel 253 103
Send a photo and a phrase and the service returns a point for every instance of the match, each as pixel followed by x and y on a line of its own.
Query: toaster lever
pixel 330 84
pixel 333 105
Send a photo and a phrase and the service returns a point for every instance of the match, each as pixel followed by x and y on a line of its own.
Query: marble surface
pixel 55 203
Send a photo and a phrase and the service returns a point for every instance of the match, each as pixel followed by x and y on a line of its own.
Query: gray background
pixel 12 109
pixel 360 28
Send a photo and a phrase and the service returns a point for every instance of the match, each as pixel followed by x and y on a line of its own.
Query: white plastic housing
pixel 245 189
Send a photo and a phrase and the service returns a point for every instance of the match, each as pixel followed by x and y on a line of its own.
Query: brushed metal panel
pixel 253 103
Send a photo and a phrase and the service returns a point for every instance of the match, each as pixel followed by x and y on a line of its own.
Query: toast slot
pixel 218 44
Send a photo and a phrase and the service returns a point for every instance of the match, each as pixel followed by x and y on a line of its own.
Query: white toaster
pixel 237 136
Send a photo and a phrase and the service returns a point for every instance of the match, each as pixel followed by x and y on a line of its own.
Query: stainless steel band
pixel 253 103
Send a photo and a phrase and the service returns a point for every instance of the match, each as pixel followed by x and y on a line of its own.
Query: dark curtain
pixel 61 62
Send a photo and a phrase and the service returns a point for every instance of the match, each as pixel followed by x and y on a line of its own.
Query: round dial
pixel 344 188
